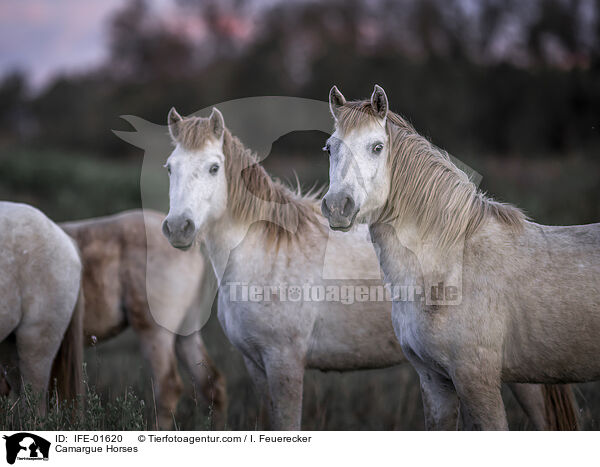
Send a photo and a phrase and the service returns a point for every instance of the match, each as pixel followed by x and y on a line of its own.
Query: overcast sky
pixel 46 37
pixel 43 37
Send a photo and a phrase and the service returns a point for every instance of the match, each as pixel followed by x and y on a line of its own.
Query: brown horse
pixel 129 280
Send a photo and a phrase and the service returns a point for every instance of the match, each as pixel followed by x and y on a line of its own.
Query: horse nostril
pixel 324 208
pixel 348 206
pixel 188 227
pixel 165 228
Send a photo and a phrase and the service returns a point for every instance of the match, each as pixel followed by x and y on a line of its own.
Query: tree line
pixel 498 76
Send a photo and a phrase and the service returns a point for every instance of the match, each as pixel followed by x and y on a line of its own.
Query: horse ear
pixel 336 100
pixel 173 121
pixel 379 102
pixel 217 123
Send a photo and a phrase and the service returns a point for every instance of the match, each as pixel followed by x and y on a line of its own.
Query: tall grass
pixel 26 412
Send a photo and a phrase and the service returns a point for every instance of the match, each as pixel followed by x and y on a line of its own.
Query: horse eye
pixel 168 167
pixel 213 169
pixel 378 148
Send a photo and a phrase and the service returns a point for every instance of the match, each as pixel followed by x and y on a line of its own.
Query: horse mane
pixel 252 195
pixel 427 185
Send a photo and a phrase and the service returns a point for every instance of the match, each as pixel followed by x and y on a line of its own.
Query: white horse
pixel 505 299
pixel 41 311
pixel 260 234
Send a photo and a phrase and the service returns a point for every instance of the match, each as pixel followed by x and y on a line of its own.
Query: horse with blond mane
pixel 524 299
pixel 259 233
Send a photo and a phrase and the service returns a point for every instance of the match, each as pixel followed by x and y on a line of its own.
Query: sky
pixel 46 37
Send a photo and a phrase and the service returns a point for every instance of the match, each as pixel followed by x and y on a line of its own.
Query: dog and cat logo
pixel 26 446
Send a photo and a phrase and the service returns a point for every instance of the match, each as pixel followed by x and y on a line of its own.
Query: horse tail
pixel 67 369
pixel 560 407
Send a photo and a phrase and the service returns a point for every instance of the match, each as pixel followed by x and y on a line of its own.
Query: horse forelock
pixel 252 194
pixel 193 133
pixel 355 114
pixel 426 185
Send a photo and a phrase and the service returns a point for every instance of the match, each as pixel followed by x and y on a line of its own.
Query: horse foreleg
pixel 285 378
pixel 261 387
pixel 207 379
pixel 440 402
pixel 481 401
pixel 158 346
pixel 531 400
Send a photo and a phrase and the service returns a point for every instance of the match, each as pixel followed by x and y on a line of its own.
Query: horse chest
pixel 258 327
pixel 421 333
pixel 406 326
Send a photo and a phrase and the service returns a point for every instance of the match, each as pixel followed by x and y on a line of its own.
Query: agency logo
pixel 26 446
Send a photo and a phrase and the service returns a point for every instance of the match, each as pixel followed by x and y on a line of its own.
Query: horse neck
pixel 426 188
pixel 407 261
pixel 398 261
pixel 220 239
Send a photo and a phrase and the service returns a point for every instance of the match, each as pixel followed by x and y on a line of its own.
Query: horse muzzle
pixel 340 210
pixel 180 231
